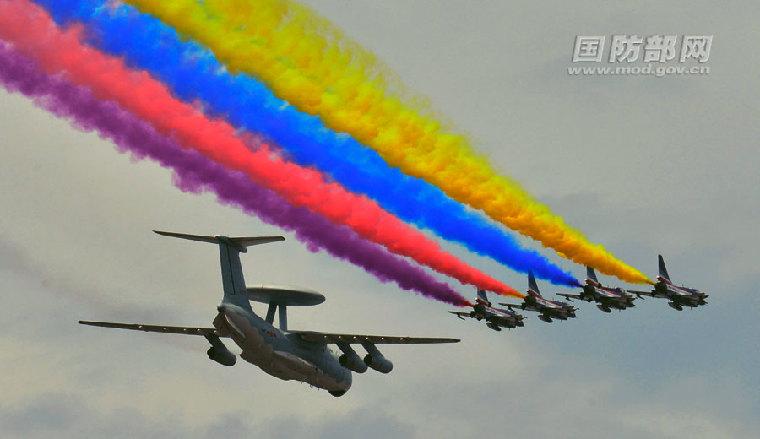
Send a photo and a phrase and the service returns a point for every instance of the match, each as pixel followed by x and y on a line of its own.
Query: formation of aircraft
pixel 606 299
pixel 283 353
pixel 496 318
pixel 678 296
pixel 305 356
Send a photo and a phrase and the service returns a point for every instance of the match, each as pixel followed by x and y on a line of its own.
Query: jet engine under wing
pixel 326 338
pixel 154 328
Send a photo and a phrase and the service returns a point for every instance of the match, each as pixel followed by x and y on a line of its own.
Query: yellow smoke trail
pixel 306 61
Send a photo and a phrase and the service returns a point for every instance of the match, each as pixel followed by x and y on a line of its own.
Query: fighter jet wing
pixel 571 296
pixel 461 314
pixel 327 338
pixel 517 306
pixel 154 328
pixel 642 293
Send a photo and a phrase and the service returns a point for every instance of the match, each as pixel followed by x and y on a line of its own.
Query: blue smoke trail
pixel 193 73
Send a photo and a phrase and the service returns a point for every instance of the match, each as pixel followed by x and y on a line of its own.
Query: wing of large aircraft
pixel 328 338
pixel 154 328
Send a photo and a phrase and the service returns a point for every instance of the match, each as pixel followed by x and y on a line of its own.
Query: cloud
pixel 69 416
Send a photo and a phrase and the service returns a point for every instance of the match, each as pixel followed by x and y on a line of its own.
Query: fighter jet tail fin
pixel 591 274
pixel 532 282
pixel 482 295
pixel 663 270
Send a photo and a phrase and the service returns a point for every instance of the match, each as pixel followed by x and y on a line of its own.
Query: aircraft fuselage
pixel 279 353
pixel 548 309
pixel 504 318
pixel 606 297
pixel 680 296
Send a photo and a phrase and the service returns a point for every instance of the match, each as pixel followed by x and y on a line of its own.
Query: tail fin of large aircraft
pixel 229 259
pixel 591 274
pixel 663 270
pixel 532 282
pixel 242 243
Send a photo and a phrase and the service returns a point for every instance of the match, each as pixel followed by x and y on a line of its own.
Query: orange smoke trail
pixel 306 61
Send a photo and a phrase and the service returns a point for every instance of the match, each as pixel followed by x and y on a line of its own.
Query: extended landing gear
pixel 675 306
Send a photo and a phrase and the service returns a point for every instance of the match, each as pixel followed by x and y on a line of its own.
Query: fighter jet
pixel 678 296
pixel 548 309
pixel 280 352
pixel 606 298
pixel 495 318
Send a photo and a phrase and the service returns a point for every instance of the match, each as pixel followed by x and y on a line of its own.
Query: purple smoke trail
pixel 195 173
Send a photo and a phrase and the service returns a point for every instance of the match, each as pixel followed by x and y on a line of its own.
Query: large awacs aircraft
pixel 678 296
pixel 282 353
pixel 548 309
pixel 495 318
pixel 606 298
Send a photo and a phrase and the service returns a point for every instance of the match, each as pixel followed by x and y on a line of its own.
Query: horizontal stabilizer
pixel 240 242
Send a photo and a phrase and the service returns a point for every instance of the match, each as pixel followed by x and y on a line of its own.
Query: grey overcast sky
pixel 641 164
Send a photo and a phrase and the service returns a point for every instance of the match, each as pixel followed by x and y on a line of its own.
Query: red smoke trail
pixel 31 30
pixel 195 173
